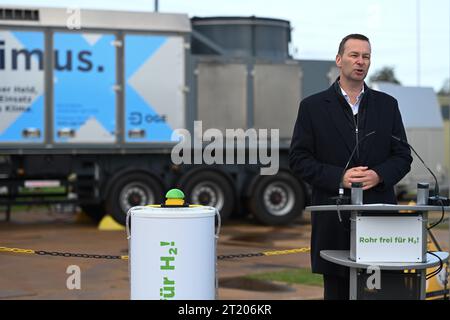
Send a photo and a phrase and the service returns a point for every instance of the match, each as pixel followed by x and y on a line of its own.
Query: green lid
pixel 175 194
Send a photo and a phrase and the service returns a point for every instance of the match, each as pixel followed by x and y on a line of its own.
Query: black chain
pixel 77 255
pixel 110 257
pixel 115 257
pixel 240 256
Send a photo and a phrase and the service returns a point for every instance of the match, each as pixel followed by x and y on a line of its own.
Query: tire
pixel 277 200
pixel 210 188
pixel 95 211
pixel 133 189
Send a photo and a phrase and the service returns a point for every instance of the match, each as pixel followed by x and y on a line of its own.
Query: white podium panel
pixel 389 239
pixel 392 238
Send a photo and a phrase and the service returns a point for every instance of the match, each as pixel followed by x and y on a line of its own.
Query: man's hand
pixel 369 178
pixel 353 173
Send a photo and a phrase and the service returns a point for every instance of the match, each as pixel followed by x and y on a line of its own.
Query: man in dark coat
pixel 330 125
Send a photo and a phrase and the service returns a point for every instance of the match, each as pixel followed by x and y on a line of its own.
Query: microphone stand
pixel 437 199
pixel 341 198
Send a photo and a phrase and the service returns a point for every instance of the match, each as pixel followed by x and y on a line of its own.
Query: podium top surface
pixel 342 257
pixel 376 207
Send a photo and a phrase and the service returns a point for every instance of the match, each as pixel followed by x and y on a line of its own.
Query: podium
pixel 389 242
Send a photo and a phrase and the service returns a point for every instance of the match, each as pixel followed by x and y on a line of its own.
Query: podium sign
pixel 392 238
pixel 389 238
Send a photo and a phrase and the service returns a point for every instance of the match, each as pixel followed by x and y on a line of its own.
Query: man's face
pixel 354 63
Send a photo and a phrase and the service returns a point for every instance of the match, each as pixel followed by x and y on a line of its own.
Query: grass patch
pixel 36 194
pixel 46 190
pixel 291 276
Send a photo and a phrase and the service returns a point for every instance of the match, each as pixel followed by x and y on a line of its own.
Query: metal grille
pixel 19 14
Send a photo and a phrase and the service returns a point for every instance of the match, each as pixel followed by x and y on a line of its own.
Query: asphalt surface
pixel 26 276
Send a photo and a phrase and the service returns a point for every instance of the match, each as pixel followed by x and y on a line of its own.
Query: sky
pixel 412 36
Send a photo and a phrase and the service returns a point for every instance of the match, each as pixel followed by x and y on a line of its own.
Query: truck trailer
pixel 91 102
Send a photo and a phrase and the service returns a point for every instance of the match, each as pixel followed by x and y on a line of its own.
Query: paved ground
pixel 44 277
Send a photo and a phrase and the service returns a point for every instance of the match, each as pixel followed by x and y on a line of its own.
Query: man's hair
pixel 356 36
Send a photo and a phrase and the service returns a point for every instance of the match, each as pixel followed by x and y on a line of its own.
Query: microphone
pixel 436 198
pixel 341 197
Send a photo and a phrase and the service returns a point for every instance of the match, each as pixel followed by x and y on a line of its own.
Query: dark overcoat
pixel 323 139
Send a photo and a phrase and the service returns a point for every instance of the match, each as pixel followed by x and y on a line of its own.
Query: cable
pixel 438 270
pixel 438 247
pixel 433 274
pixel 434 240
pixel 442 216
pixel 338 203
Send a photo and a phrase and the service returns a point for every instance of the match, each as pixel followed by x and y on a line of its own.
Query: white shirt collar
pixel 347 97
pixel 355 107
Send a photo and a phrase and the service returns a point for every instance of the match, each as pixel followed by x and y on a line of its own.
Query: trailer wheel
pixel 210 188
pixel 277 200
pixel 95 211
pixel 135 189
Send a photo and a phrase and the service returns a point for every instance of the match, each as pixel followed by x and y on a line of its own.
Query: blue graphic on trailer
pixel 26 121
pixel 22 83
pixel 85 74
pixel 140 115
pixel 30 40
